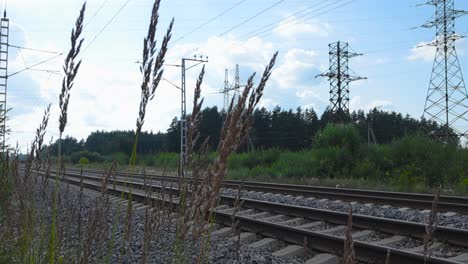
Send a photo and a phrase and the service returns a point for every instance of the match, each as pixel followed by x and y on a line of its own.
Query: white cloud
pixel 292 28
pixel 422 52
pixel 106 95
pixel 299 65
pixel 355 103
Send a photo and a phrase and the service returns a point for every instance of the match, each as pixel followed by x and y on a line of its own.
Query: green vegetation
pixel 276 128
pixel 299 147
pixel 339 155
pixel 413 163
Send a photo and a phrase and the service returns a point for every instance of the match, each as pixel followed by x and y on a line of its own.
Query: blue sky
pixel 106 93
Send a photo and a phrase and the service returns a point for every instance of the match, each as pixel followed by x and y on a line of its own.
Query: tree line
pixel 277 128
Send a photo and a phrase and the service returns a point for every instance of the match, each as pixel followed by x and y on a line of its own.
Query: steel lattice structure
pixel 447 99
pixel 4 39
pixel 340 76
pixel 228 87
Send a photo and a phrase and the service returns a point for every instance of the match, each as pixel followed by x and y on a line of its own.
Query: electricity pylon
pixel 228 87
pixel 447 99
pixel 235 87
pixel 340 77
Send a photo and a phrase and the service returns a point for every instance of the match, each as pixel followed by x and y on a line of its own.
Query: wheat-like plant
pixel 151 66
pixel 151 69
pixel 431 226
pixel 349 256
pixel 70 68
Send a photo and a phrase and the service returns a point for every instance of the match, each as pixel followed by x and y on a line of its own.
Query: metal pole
pixel 183 122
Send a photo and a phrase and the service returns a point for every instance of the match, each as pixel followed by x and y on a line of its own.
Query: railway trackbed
pixel 411 200
pixel 291 230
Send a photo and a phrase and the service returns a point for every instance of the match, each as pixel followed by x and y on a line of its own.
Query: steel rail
pixel 366 252
pixel 412 200
pixel 453 236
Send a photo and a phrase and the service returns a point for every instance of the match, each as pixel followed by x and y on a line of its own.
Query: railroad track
pixel 412 200
pixel 284 228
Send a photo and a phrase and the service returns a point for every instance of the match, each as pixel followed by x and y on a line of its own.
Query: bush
pixel 336 148
pixel 121 158
pixel 295 164
pixel 342 136
pixel 262 158
pixel 169 160
pixel 84 161
pixel 90 156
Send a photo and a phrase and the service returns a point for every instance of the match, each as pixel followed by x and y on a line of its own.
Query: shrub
pixel 84 161
pixel 342 136
pixel 91 156
pixel 168 160
pixel 121 158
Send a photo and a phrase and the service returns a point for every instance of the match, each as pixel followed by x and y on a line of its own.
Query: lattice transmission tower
pixel 340 75
pixel 4 43
pixel 229 87
pixel 235 88
pixel 447 99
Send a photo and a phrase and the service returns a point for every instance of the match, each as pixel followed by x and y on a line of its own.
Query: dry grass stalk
pixel 235 224
pixel 48 165
pixel 305 245
pixel 200 193
pixel 80 210
pixel 431 226
pixel 70 68
pixel 236 126
pixel 39 140
pixel 151 67
pixel 387 258
pixel 349 257
pixel 97 222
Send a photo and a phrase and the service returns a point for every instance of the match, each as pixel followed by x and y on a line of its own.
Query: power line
pixel 106 25
pixel 307 19
pixel 250 18
pixel 34 65
pixel 280 20
pixel 33 49
pixel 95 13
pixel 211 20
pixel 238 25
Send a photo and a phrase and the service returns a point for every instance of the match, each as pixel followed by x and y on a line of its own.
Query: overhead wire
pixel 241 23
pixel 282 27
pixel 281 20
pixel 250 18
pixel 34 65
pixel 210 20
pixel 96 12
pixel 33 49
pixel 105 26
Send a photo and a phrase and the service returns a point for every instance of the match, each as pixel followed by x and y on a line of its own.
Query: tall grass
pixel 200 191
pixel 39 229
pixel 70 68
pixel 152 71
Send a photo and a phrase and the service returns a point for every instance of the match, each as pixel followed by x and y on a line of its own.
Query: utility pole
pixel 340 77
pixel 447 98
pixel 4 43
pixel 183 111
